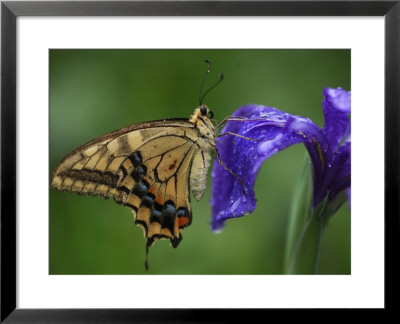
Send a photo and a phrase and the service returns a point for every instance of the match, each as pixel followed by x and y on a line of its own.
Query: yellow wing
pixel 145 167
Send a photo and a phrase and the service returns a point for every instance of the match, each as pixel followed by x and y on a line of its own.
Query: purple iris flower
pixel 274 130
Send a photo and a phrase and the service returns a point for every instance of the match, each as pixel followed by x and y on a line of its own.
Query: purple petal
pixel 337 107
pixel 318 148
pixel 339 98
pixel 338 175
pixel 274 132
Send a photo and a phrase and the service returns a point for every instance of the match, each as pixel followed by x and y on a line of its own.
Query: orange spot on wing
pixel 154 188
pixel 183 221
pixel 160 198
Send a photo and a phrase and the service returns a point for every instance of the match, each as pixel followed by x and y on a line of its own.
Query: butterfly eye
pixel 210 114
pixel 203 110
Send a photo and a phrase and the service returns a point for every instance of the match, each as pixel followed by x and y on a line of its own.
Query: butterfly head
pixel 205 111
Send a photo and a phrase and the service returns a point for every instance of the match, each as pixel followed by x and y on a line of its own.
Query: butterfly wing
pixel 145 167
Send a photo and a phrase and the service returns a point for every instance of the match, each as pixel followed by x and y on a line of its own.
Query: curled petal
pixel 318 148
pixel 272 131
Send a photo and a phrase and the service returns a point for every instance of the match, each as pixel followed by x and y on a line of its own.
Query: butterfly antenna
pixel 221 77
pixel 204 79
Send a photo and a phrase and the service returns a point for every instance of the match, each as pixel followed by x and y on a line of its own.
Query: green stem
pixel 305 255
pixel 305 228
pixel 299 215
pixel 297 246
pixel 318 252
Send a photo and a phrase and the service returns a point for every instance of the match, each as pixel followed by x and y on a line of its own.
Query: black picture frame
pixel 10 10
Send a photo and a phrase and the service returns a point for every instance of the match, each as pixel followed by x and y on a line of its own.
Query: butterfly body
pixel 149 167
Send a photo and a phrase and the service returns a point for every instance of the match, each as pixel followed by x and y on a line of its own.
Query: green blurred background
pixel 93 92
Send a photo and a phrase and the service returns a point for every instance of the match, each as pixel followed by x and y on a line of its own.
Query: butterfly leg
pixel 238 135
pixel 236 118
pixel 230 171
pixel 240 118
pixel 222 122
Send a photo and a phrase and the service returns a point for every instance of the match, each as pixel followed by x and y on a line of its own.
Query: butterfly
pixel 150 167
